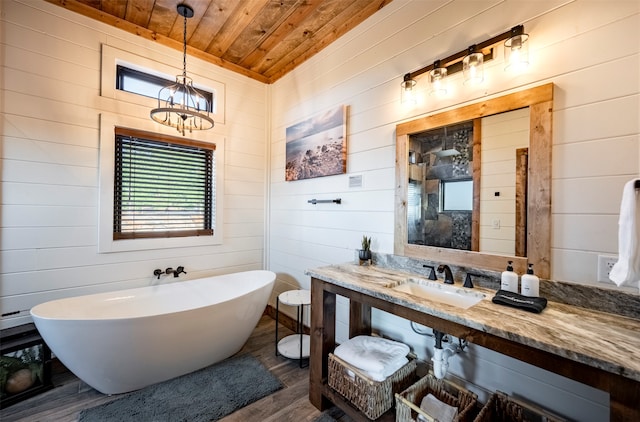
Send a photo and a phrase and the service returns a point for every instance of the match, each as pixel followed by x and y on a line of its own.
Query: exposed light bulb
pixel 472 67
pixel 516 50
pixel 407 91
pixel 437 78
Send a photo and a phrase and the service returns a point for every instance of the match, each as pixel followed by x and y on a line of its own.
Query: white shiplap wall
pixel 51 103
pixel 589 50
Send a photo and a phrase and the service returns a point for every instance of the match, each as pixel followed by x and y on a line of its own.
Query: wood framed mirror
pixel 535 234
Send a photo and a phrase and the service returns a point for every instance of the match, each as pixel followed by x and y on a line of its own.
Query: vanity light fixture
pixel 473 66
pixel 516 49
pixel 470 61
pixel 180 105
pixel 437 78
pixel 408 92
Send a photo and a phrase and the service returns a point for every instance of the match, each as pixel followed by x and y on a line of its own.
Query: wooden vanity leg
pixel 323 341
pixel 359 319
pixel 624 396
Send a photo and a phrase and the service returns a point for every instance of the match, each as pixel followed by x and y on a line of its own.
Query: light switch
pixel 355 181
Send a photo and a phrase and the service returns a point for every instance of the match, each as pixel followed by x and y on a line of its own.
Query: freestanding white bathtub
pixel 125 340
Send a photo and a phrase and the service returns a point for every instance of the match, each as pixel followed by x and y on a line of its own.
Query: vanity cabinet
pixel 624 390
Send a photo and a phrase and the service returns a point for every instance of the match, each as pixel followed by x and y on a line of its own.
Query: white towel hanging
pixel 627 269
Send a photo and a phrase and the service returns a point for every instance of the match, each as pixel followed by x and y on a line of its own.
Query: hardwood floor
pixel 291 404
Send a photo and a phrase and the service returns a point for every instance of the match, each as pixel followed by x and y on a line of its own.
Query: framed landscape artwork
pixel 317 146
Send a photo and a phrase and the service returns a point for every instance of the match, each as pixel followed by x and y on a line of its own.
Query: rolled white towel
pixel 381 376
pixel 437 409
pixel 374 355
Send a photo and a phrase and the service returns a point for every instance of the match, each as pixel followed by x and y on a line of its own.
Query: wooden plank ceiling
pixel 262 39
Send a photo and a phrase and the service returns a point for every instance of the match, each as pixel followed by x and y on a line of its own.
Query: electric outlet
pixel 605 264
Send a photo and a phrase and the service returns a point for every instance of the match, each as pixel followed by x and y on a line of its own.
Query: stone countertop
pixel 602 340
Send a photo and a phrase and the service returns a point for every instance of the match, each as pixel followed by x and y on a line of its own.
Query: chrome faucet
pixel 448 276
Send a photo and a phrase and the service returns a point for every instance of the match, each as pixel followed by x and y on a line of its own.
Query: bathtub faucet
pixel 176 273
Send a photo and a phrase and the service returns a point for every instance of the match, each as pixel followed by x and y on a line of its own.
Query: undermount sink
pixel 439 292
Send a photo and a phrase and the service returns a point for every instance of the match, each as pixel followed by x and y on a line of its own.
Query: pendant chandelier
pixel 180 105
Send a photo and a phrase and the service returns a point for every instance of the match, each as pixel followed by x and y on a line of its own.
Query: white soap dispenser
pixel 530 283
pixel 509 279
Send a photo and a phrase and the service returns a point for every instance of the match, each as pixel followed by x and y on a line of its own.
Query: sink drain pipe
pixel 441 355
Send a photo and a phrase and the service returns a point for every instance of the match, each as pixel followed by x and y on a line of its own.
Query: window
pixel 457 195
pixel 163 186
pixel 142 83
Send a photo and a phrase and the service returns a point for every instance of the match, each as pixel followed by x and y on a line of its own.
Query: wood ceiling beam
pixel 299 14
pixel 354 14
pixel 241 17
pixel 211 23
pixel 80 8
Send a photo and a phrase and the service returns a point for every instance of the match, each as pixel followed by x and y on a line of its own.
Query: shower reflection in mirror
pixel 448 185
pixel 440 196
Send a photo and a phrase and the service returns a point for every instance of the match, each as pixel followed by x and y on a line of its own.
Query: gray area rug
pixel 205 395
pixel 325 417
pixel 330 415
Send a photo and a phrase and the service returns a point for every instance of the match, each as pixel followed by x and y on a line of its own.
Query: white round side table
pixel 294 346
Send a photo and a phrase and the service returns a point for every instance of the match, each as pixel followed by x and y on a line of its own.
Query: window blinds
pixel 161 188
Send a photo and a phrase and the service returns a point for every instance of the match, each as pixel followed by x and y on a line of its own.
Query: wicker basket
pixel 502 408
pixel 408 402
pixel 372 398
